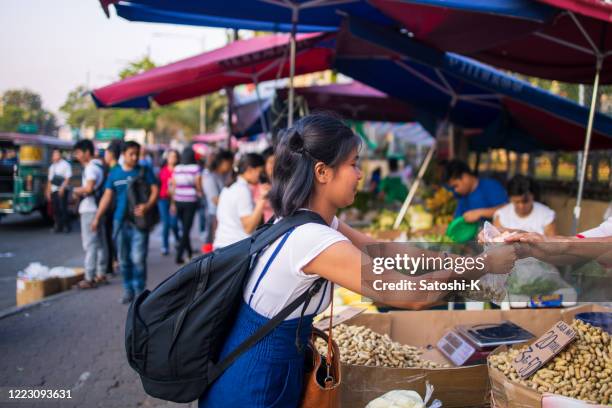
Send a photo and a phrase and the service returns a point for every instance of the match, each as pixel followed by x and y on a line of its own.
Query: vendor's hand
pixel 140 210
pixel 540 245
pixel 472 216
pixel 500 259
pixel 94 224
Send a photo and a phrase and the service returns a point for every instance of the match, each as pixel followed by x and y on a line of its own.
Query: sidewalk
pixel 76 342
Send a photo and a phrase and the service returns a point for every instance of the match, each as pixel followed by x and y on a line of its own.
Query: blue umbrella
pixel 462 90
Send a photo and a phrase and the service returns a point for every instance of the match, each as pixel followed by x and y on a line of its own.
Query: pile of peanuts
pixel 582 371
pixel 361 346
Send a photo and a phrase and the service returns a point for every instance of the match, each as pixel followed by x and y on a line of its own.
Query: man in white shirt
pixel 94 243
pixel 237 215
pixel 57 190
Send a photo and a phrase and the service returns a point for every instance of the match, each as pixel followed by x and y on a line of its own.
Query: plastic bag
pixel 405 399
pixel 492 285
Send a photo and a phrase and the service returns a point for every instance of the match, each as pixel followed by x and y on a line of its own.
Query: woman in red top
pixel 168 219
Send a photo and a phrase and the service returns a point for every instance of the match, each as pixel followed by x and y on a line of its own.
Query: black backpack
pixel 174 334
pixel 138 191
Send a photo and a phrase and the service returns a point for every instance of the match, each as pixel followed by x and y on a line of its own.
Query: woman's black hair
pixel 269 151
pixel 188 156
pixel 220 157
pixel 318 137
pixel 250 160
pixel 520 185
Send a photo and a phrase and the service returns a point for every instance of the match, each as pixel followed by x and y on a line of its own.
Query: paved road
pixel 26 239
pixel 75 342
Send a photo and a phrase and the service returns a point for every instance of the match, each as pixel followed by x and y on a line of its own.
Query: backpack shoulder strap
pixel 275 231
pixel 216 370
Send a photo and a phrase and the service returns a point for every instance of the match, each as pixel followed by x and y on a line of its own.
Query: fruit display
pixel 385 220
pixel 361 346
pixel 582 371
pixel 441 204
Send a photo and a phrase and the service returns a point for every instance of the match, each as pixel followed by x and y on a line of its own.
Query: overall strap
pixel 216 370
pixel 272 257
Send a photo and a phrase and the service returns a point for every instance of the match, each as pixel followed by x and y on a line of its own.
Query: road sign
pixel 110 134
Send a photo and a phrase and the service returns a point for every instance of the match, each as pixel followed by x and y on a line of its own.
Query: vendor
pixel 316 170
pixel 477 198
pixel 523 212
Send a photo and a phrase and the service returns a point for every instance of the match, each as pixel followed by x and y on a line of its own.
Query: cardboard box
pixel 30 291
pixel 508 394
pixel 68 282
pixel 456 387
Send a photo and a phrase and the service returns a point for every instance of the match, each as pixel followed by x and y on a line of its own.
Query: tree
pixel 164 121
pixel 137 67
pixel 24 106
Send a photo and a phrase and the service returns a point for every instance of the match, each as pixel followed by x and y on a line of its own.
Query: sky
pixel 53 46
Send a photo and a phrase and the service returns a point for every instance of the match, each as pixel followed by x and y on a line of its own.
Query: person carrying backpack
pixel 230 327
pixel 90 192
pixel 130 218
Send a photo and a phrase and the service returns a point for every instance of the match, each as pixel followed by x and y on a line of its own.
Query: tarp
pixel 525 36
pixel 465 91
pixel 259 15
pixel 354 101
pixel 246 61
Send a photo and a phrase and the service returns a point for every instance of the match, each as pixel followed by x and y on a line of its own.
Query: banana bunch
pixel 441 202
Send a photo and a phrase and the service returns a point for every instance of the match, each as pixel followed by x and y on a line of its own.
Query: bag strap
pixel 216 370
pixel 275 231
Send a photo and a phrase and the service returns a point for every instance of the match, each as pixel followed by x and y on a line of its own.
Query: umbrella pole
pixel 294 20
pixel 414 187
pixel 587 144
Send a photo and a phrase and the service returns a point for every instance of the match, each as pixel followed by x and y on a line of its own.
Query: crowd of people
pixel 123 195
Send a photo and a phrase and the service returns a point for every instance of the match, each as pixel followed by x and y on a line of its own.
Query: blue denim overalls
pixel 269 374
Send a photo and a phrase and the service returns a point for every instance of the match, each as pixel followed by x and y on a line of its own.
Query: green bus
pixel 24 164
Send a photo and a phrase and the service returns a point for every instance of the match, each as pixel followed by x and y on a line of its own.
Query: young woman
pixel 186 189
pixel 524 212
pixel 169 221
pixel 317 170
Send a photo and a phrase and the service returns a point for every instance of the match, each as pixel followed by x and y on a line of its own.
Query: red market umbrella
pixel 246 61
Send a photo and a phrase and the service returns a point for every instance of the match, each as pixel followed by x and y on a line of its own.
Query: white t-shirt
pixel 61 168
pixel 540 217
pixel 235 201
pixel 603 230
pixel 93 171
pixel 285 281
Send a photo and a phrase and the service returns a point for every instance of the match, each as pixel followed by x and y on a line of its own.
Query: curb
pixel 19 309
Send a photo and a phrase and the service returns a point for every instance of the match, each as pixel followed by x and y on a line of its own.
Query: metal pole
pixel 294 20
pixel 262 119
pixel 202 114
pixel 587 144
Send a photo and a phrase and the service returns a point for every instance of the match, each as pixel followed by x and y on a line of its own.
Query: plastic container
pixel 461 231
pixel 597 319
